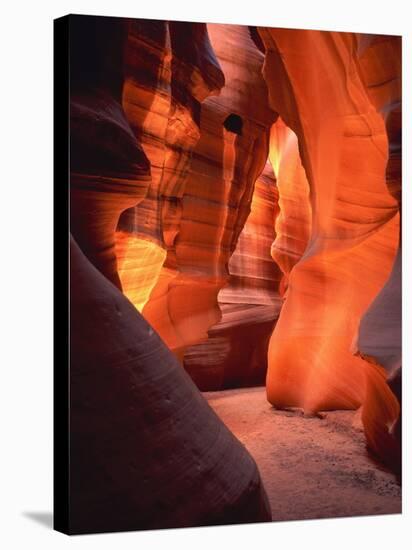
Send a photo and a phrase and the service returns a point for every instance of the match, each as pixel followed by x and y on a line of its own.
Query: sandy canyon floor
pixel 311 467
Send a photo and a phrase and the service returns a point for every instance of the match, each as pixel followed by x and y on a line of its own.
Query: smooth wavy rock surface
pixel 109 171
pixel 228 158
pixel 355 223
pixel 293 222
pixel 146 450
pixel 380 329
pixel 170 69
pixel 235 353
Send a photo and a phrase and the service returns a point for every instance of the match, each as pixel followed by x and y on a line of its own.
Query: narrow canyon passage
pixel 240 189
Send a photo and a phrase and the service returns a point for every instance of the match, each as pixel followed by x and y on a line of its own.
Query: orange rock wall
pixel 170 68
pixel 294 220
pixel 235 353
pixel 218 193
pixel 380 329
pixel 316 85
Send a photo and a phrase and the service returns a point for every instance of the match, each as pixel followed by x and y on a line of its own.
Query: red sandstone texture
pixel 380 334
pixel 242 188
pixel 235 353
pixel 146 450
pixel 228 158
pixel 109 170
pixel 170 68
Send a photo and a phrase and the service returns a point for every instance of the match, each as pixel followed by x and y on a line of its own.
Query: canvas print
pixel 234 204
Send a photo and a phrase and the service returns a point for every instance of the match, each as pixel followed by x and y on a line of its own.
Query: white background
pixel 26 272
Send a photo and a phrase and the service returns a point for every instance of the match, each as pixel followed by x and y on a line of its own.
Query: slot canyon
pixel 235 274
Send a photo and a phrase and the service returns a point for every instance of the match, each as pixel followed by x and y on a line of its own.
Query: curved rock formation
pixel 315 86
pixel 170 69
pixel 146 450
pixel 380 330
pixel 147 101
pixel 380 65
pixel 235 353
pixel 230 155
pixel 109 171
pixel 293 223
pixel 217 173
pixel 380 341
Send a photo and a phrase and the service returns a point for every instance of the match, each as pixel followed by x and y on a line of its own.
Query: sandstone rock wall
pixel 146 450
pixel 109 171
pixel 170 68
pixel 294 220
pixel 380 329
pixel 235 353
pixel 316 85
pixel 227 160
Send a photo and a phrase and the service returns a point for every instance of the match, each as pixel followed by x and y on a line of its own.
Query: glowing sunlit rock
pixel 293 223
pixel 138 263
pixel 316 88
pixel 170 68
pixel 231 153
pixel 235 353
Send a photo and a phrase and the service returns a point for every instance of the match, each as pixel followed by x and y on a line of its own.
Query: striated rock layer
pixel 146 450
pixel 235 353
pixel 354 228
pixel 170 68
pixel 227 160
pixel 109 170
